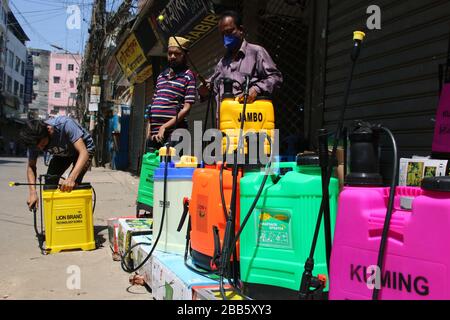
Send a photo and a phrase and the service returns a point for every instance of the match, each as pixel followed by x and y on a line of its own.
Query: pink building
pixel 63 75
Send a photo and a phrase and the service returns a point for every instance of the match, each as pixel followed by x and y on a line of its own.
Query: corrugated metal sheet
pixel 396 78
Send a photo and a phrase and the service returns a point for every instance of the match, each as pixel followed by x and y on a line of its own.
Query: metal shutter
pixel 396 78
pixel 205 54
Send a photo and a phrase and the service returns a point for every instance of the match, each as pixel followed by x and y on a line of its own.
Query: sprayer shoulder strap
pixel 184 215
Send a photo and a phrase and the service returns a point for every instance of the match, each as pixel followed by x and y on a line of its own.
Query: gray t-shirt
pixel 66 132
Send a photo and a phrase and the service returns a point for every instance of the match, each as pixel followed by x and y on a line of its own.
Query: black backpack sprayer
pixel 57 210
pixel 312 286
pixel 364 170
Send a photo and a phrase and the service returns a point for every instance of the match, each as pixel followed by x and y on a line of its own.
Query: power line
pixel 29 25
pixel 57 3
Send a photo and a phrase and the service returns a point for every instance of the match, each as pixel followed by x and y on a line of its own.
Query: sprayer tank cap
pixel 358 35
pixel 163 152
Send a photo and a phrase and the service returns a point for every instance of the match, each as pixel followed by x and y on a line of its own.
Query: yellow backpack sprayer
pixel 258 118
pixel 66 218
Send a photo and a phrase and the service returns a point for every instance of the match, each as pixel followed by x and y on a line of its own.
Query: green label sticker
pixel 274 228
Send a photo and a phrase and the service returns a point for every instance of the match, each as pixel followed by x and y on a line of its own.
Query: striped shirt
pixel 172 91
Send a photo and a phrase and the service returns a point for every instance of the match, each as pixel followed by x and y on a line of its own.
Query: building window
pixel 16 88
pixel 73 95
pixel 11 59
pixel 21 90
pixel 71 67
pixel 17 64
pixel 56 79
pixel 72 83
pixel 57 95
pixel 22 69
pixel 58 66
pixel 9 84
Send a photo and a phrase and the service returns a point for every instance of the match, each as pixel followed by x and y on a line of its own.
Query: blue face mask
pixel 231 41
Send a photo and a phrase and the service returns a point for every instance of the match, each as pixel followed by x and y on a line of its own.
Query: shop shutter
pixel 396 78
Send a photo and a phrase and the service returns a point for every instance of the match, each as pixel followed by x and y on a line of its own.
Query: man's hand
pixel 32 201
pixel 160 136
pixel 67 185
pixel 204 90
pixel 252 94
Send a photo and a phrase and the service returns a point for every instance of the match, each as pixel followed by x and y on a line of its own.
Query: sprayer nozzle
pixel 358 35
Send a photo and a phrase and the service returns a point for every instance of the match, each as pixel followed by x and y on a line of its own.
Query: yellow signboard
pixel 142 75
pixel 96 91
pixel 130 56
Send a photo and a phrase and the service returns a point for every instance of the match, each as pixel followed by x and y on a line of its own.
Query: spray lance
pixel 308 280
pixel 231 217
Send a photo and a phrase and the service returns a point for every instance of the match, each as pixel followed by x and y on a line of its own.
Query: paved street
pixel 26 274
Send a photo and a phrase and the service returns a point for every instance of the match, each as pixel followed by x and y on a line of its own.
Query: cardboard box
pixel 213 293
pixel 139 254
pixel 113 232
pixel 159 272
pixel 412 171
pixel 172 280
pixel 129 228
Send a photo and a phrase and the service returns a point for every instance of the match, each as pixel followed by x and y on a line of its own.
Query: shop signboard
pixel 130 56
pixel 191 19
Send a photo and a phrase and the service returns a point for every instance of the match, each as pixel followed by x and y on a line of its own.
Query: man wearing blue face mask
pixel 241 59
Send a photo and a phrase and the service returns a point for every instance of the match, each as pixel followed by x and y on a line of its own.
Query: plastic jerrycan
pixel 277 238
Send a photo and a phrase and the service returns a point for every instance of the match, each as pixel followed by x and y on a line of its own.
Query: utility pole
pixel 93 64
pixel 99 66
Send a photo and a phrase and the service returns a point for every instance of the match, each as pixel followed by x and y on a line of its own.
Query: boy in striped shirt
pixel 174 96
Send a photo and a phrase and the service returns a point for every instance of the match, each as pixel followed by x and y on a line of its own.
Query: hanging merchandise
pixel 150 162
pixel 441 140
pixel 258 118
pixel 179 187
pixel 277 238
